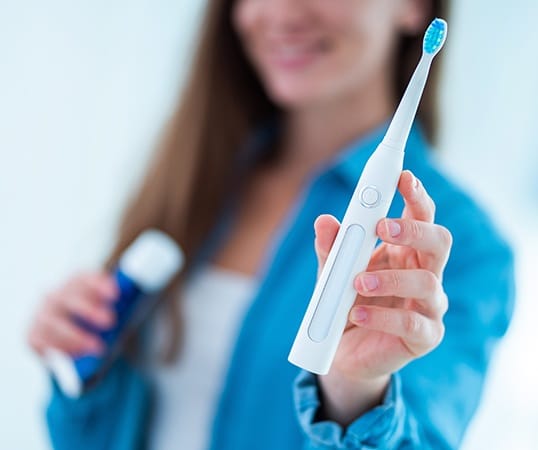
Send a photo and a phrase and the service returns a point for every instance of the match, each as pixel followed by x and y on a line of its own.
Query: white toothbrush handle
pixel 327 313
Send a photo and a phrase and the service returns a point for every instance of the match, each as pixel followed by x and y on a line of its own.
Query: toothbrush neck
pixel 400 126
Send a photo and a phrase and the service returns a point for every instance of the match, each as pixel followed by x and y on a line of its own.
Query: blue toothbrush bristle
pixel 435 36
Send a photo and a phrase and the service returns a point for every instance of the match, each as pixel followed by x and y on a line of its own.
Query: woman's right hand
pixel 86 296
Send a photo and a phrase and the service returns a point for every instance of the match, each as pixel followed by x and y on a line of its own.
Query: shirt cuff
pixel 380 427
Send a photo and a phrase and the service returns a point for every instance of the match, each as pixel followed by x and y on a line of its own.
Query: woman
pixel 286 101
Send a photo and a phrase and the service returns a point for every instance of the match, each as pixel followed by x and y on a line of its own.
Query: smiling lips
pixel 294 56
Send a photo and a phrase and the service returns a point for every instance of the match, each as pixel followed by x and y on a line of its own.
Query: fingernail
pixel 359 314
pixel 393 228
pixel 369 282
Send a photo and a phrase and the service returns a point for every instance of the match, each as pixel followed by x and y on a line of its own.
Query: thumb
pixel 325 227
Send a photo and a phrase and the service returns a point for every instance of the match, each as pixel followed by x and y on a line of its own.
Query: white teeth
pixel 292 51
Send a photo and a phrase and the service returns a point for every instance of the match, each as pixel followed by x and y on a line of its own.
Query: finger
pixel 36 342
pixel 431 239
pixel 419 333
pixel 418 204
pixel 61 333
pixel 90 310
pixel 380 258
pixel 326 228
pixel 98 284
pixel 420 285
pixel 79 300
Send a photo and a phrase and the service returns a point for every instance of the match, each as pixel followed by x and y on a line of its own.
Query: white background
pixel 85 88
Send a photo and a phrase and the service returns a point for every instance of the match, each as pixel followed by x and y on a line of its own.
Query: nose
pixel 286 15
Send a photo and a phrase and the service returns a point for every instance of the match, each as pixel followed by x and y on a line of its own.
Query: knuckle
pixel 444 303
pixel 433 207
pixel 439 334
pixel 445 237
pixel 412 324
pixel 415 230
pixel 431 282
pixel 394 280
pixel 385 319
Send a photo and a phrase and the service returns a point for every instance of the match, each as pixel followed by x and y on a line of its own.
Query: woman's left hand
pixel 398 313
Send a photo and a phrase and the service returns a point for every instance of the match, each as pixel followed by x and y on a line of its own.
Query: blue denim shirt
pixel 266 402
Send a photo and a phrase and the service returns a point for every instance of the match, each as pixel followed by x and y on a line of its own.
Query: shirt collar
pixel 349 162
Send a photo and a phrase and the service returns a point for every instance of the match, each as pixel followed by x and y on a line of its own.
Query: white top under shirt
pixel 214 301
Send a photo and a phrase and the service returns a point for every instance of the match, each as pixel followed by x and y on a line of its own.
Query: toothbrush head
pixel 435 37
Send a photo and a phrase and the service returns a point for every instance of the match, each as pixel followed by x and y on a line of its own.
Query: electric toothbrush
pixel 327 313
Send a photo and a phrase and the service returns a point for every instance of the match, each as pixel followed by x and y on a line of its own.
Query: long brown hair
pixel 222 101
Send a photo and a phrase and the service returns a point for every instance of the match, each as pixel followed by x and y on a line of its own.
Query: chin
pixel 294 95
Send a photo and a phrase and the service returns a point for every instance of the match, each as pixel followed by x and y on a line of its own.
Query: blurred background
pixel 85 88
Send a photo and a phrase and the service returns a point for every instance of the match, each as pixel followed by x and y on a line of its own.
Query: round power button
pixel 370 196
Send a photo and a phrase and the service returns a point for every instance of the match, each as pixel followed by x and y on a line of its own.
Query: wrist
pixel 343 400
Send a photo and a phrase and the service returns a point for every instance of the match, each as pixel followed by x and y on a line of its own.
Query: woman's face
pixel 312 51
